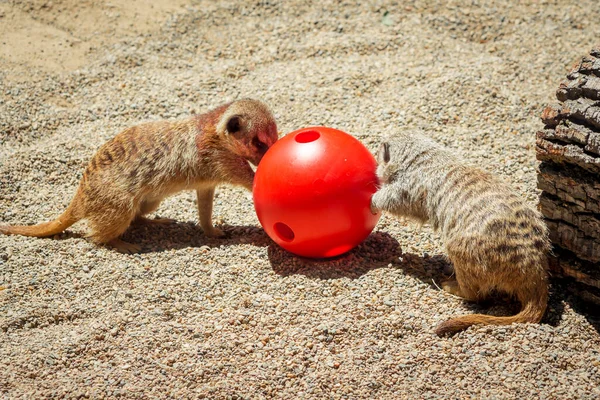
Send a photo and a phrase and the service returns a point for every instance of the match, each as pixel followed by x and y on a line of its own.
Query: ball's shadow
pixel 377 251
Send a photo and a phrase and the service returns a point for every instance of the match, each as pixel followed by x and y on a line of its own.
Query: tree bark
pixel 569 176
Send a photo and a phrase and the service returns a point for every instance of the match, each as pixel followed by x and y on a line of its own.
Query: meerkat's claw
pixel 124 247
pixel 214 233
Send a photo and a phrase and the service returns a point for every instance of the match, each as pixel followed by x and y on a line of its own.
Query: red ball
pixel 312 192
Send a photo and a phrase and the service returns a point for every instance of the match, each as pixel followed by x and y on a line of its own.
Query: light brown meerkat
pixel 494 239
pixel 133 172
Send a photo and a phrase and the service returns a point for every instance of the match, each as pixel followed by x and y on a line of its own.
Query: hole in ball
pixel 284 232
pixel 308 136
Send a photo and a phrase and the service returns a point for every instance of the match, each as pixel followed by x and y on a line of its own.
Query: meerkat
pixel 133 172
pixel 494 239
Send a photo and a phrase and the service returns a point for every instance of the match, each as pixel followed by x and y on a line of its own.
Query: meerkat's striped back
pixel 494 238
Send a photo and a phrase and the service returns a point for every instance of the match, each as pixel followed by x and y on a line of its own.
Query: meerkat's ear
pixel 234 124
pixel 383 155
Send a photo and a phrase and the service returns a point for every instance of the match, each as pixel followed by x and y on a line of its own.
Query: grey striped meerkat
pixel 494 239
pixel 133 172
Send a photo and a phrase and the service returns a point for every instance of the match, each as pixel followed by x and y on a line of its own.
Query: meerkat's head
pixel 248 129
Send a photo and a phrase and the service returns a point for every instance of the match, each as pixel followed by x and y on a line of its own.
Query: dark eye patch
pixel 234 124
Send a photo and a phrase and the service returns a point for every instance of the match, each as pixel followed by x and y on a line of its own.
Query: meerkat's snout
pixel 262 142
pixel 260 149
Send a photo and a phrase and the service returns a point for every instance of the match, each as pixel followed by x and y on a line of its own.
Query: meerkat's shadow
pixel 436 269
pixel 377 251
pixel 381 250
pixel 178 235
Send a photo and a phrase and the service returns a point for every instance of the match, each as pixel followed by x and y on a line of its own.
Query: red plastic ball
pixel 312 192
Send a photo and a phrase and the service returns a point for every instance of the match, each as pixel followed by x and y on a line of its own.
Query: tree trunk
pixel 569 176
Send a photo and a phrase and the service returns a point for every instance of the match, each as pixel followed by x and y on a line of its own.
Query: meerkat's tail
pixel 533 307
pixel 68 218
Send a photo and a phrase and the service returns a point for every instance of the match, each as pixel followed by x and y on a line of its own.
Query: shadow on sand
pixel 572 294
pixel 179 235
pixel 379 250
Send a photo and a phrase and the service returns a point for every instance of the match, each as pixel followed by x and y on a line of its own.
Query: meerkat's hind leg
pixel 205 206
pixel 146 207
pixel 124 247
pixel 459 287
pixel 108 225
pixel 453 287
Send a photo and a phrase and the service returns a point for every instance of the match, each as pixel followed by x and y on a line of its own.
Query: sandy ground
pixel 193 317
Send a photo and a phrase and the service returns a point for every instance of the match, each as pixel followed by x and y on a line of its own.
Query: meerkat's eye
pixel 234 124
pixel 260 146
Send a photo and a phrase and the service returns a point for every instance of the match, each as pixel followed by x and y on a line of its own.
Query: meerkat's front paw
pixel 374 209
pixel 214 232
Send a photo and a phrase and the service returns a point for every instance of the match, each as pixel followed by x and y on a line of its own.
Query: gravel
pixel 236 318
